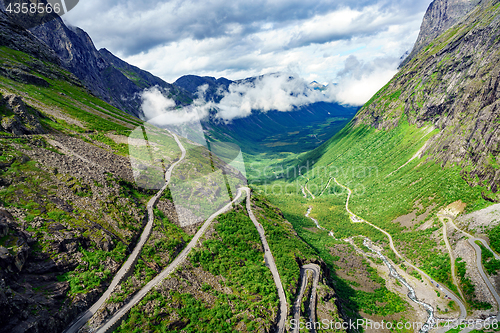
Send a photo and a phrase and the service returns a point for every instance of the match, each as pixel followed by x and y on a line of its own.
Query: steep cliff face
pixel 77 53
pixel 105 75
pixel 28 19
pixel 440 16
pixel 15 37
pixel 452 84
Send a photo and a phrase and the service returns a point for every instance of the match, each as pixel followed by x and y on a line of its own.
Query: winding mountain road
pixel 312 195
pixel 356 219
pixel 450 252
pixel 115 320
pixel 270 263
pixel 472 241
pixel 481 271
pixel 315 269
pixel 132 259
pixel 327 184
pixel 304 192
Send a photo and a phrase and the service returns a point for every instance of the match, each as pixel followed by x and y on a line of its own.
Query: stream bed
pixel 431 320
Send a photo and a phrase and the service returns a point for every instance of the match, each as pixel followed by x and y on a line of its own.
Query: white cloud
pixel 160 110
pixel 172 38
pixel 354 91
pixel 359 81
pixel 279 92
pixel 240 39
pixel 154 103
pixel 271 51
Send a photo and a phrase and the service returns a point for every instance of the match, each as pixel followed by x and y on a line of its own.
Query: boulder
pixel 19 120
pixel 6 259
pixel 4 229
pixel 21 256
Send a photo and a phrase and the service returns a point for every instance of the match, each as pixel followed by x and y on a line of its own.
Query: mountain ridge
pixel 453 84
pixel 102 72
pixel 272 130
pixel 440 15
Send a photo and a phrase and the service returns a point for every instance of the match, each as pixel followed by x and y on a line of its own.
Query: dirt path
pixel 305 186
pixel 312 195
pixel 304 192
pixel 328 184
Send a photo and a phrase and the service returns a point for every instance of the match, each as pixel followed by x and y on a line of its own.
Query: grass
pixel 355 301
pixel 90 273
pixel 33 190
pixel 376 165
pixel 238 243
pixel 66 94
pixel 278 133
pixel 233 254
pixel 468 287
pixel 494 236
pixel 489 262
pixel 287 249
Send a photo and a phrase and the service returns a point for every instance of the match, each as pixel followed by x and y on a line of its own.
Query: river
pixel 431 320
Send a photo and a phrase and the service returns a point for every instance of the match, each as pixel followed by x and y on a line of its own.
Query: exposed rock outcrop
pixel 439 17
pixel 17 38
pixel 17 118
pixel 38 248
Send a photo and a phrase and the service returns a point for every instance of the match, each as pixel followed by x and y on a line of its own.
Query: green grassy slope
pixel 368 161
pixel 64 94
pixel 105 213
pixel 383 155
pixel 233 290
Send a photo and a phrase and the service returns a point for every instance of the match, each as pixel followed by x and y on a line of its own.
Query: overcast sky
pixel 355 43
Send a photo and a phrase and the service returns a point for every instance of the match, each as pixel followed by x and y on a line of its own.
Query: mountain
pixel 407 186
pixel 440 16
pixel 452 85
pixel 103 74
pixel 215 87
pixel 317 85
pixel 17 38
pixel 271 132
pixel 416 172
pixel 80 190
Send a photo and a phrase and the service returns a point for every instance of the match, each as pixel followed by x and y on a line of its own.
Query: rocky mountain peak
pixel 440 16
pixel 103 74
